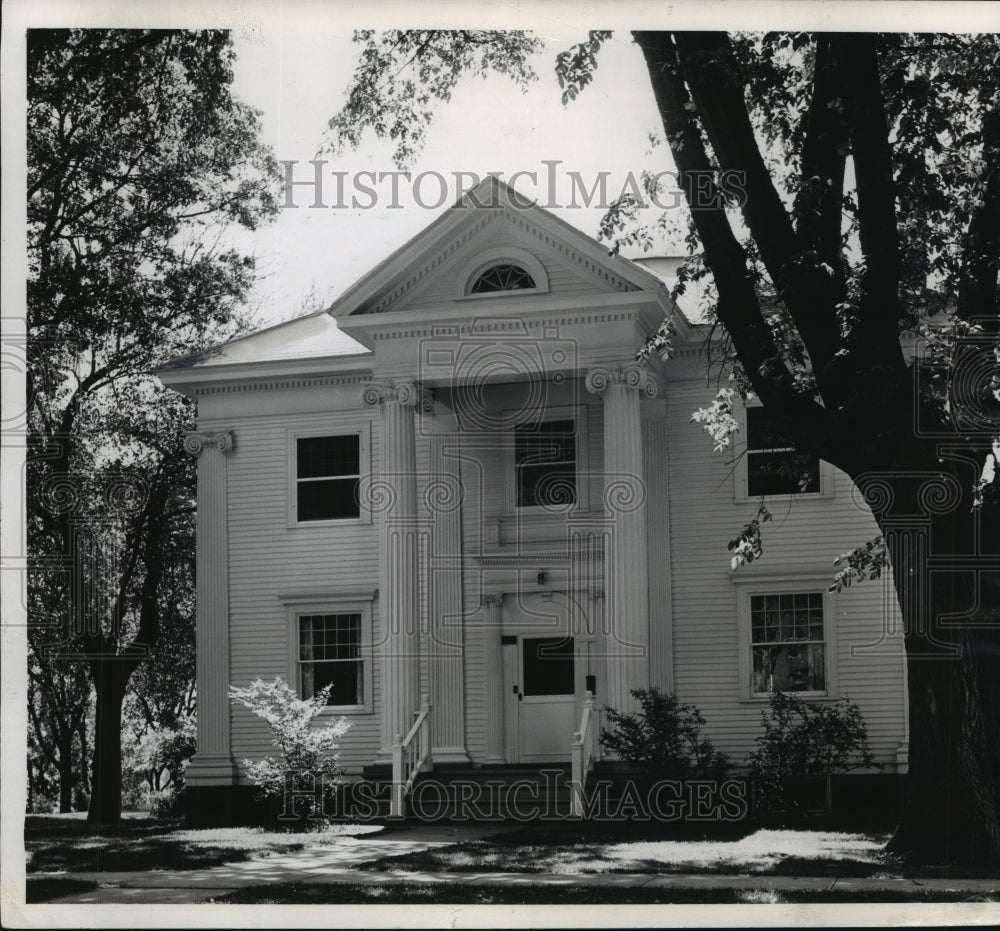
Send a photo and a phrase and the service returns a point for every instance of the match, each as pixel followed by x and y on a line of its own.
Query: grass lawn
pixel 406 894
pixel 764 851
pixel 55 843
pixel 50 889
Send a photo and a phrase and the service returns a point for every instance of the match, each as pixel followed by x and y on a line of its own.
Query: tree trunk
pixel 949 596
pixel 106 772
pixel 67 776
pixel 952 813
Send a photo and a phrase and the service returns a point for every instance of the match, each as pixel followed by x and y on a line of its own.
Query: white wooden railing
pixel 410 755
pixel 584 753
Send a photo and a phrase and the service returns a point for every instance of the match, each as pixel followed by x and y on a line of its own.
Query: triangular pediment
pixel 491 224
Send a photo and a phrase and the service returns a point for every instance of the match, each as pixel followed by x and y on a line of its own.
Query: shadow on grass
pixel 132 855
pixel 403 894
pixel 50 889
pixel 496 854
pixel 56 844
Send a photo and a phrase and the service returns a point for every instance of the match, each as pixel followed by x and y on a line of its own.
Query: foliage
pixel 138 158
pixel 403 74
pixel 803 738
pixel 748 544
pixel 865 562
pixel 305 744
pixel 664 738
pixel 717 419
pixel 575 67
pixel 161 753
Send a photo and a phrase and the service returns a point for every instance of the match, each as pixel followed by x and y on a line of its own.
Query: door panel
pixel 547 706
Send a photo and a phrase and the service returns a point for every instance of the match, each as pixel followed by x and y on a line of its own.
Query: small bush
pixel 664 739
pixel 306 759
pixel 803 739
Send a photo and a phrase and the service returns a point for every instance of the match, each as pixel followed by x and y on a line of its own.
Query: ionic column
pixel 492 678
pixel 213 762
pixel 626 562
pixel 394 496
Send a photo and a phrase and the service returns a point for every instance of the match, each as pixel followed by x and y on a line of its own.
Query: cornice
pixel 638 306
pixel 279 384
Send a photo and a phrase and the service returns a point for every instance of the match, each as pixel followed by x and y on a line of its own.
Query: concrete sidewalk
pixel 203 885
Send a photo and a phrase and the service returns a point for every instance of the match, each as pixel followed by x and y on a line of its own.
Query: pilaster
pixel 213 762
pixel 493 712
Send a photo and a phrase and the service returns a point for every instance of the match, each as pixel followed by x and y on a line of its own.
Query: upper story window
pixel 502 277
pixel 774 466
pixel 545 464
pixel 327 474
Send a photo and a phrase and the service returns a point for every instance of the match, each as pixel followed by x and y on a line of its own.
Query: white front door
pixel 546 699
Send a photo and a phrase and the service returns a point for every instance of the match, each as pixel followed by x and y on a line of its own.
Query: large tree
pixel 138 157
pixel 856 285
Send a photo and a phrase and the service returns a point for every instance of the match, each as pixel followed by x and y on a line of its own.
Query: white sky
pixel 296 67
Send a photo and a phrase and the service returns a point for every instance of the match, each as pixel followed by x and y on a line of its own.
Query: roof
pixel 313 336
pixel 318 335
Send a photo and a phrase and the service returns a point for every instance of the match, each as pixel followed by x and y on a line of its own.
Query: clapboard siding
pixel 267 558
pixel 804 537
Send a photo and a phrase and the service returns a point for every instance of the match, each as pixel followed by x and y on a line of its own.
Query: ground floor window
pixel 787 643
pixel 330 654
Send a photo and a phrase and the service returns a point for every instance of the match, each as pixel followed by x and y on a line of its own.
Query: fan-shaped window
pixel 503 277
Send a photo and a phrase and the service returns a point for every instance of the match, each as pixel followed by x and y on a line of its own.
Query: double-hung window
pixel 787 643
pixel 774 466
pixel 327 474
pixel 330 644
pixel 329 654
pixel 545 464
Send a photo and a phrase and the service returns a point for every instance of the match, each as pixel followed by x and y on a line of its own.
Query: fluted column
pixel 446 642
pixel 394 497
pixel 213 762
pixel 492 678
pixel 626 563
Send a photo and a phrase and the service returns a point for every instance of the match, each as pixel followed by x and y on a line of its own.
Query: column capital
pixel 196 441
pixel 630 374
pixel 404 393
pixel 494 599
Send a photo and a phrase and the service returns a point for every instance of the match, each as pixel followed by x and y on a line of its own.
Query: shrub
pixel 306 760
pixel 804 738
pixel 162 753
pixel 664 738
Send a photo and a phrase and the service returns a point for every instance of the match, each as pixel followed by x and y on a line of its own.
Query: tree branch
pixel 977 296
pixel 738 307
pixel 803 285
pixel 818 204
pixel 876 336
